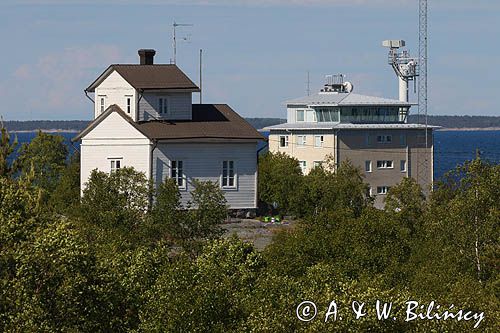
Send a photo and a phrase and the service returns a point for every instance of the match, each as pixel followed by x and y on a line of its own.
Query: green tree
pixel 6 150
pixel 279 178
pixel 46 154
pixel 66 195
pixel 189 226
pixel 329 188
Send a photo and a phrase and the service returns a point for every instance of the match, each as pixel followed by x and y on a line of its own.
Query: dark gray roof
pixel 216 121
pixel 210 121
pixel 161 76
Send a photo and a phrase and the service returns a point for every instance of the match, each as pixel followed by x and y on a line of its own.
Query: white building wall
pixel 115 90
pixel 114 138
pixel 203 161
pixel 179 106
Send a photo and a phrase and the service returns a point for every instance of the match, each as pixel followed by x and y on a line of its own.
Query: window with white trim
pixel 301 141
pixel 228 174
pixel 163 105
pixel 318 141
pixel 382 189
pixel 317 164
pixel 129 104
pixel 368 166
pixel 283 141
pixel 385 164
pixel 384 138
pixel 300 115
pixel 402 165
pixel 115 164
pixel 369 192
pixel 303 166
pixel 177 173
pixel 102 103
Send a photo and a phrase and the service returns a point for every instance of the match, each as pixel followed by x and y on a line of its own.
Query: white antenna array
pixel 174 37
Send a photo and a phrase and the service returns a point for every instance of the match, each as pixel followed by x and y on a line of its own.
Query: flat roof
pixel 333 126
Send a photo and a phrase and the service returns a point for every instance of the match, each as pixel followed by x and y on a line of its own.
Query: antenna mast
pixel 422 82
pixel 174 38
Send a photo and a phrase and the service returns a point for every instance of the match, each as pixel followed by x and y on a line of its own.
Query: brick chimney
pixel 147 56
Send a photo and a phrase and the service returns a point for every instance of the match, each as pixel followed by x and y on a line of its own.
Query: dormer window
pixel 163 105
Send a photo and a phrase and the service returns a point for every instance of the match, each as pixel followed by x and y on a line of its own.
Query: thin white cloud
pixel 53 85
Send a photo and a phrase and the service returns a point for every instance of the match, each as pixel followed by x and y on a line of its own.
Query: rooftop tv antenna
pixel 174 37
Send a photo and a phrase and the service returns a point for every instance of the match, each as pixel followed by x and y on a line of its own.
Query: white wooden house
pixel 145 118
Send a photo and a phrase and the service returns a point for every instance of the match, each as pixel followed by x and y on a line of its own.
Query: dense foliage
pixel 131 257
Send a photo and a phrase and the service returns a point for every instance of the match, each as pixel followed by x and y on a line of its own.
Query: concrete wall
pixel 308 153
pixel 361 146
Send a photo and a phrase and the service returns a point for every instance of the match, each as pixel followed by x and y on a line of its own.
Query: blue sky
pixel 256 53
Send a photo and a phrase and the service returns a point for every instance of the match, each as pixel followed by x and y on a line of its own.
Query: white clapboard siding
pixel 114 137
pixel 203 161
pixel 179 105
pixel 116 90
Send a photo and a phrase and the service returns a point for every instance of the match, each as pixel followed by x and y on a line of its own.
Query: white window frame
pixel 368 166
pixel 303 112
pixel 128 103
pixel 382 190
pixel 321 141
pixel 301 141
pixel 303 166
pixel 286 141
pixel 115 163
pixel 384 138
pixel 402 165
pixel 163 105
pixel 226 179
pixel 179 173
pixel 317 164
pixel 385 164
pixel 102 103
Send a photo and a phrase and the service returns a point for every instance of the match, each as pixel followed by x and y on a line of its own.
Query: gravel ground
pixel 259 233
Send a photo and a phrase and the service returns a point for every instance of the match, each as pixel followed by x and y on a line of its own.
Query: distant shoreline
pixel 46 131
pixel 443 129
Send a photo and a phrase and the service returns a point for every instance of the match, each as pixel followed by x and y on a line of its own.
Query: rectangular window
pixel 115 164
pixel 163 106
pixel 303 166
pixel 129 104
pixel 402 164
pixel 318 141
pixel 177 173
pixel 402 140
pixel 317 164
pixel 228 174
pixel 384 138
pixel 368 166
pixel 300 115
pixel 283 141
pixel 385 164
pixel 102 103
pixel 382 189
pixel 301 141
